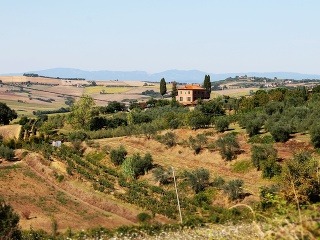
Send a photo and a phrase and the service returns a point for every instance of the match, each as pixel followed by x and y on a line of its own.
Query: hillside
pixel 230 161
pixel 185 76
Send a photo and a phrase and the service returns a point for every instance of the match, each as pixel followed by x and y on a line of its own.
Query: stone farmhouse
pixel 189 94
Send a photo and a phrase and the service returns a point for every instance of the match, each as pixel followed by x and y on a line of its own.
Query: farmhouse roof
pixel 190 87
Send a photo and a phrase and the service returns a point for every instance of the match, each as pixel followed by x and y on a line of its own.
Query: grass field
pixel 10 131
pixel 239 92
pixel 98 89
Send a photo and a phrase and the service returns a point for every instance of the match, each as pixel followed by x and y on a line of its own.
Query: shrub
pixel 117 156
pixel 135 165
pixel 234 189
pixel 271 168
pixel 267 195
pixel 315 135
pixel 9 228
pixel 253 127
pixel 218 182
pixel 143 217
pixel 242 166
pixel 266 139
pixel 228 146
pixel 77 135
pixel 300 172
pixel 197 143
pixel 198 179
pixel 163 176
pixel 169 139
pixel 6 152
pixel 280 132
pixel 196 119
pixel 260 153
pixel 221 124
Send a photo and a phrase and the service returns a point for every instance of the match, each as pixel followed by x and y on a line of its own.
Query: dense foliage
pixel 6 114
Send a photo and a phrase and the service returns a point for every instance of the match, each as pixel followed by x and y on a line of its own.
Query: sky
pixel 217 36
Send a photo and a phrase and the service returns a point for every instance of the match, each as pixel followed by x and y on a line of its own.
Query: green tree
pixel 261 153
pixel 234 189
pixel 221 124
pixel 174 91
pixel 212 108
pixel 136 165
pixel 81 113
pixel 6 114
pixel 301 178
pixel 9 220
pixel 271 168
pixel 6 152
pixel 315 135
pixel 163 87
pixel 196 119
pixel 280 132
pixel 207 84
pixel 163 176
pixel 117 156
pixel 198 179
pixel 228 146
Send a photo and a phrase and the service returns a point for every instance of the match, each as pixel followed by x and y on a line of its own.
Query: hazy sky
pixel 154 35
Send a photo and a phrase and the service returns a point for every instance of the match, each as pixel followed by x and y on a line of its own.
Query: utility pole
pixel 175 186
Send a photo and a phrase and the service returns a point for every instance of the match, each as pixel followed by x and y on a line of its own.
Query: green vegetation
pixel 6 114
pixel 133 176
pixel 9 220
pixel 228 146
pixel 81 113
pixel 207 84
pixel 163 87
pixel 117 156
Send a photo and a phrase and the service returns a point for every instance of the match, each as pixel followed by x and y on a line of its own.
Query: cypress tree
pixel 163 87
pixel 207 84
pixel 174 92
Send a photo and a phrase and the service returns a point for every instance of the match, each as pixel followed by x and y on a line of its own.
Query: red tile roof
pixel 190 87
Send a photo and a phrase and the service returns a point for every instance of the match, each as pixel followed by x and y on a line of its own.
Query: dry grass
pixel 10 131
pixel 238 92
pixel 108 90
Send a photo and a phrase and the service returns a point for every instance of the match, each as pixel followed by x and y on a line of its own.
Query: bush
pixel 117 156
pixel 197 143
pixel 221 124
pixel 260 153
pixel 9 228
pixel 301 171
pixel 228 146
pixel 271 168
pixel 242 166
pixel 234 189
pixel 218 182
pixel 163 176
pixel 196 119
pixel 253 127
pixel 77 135
pixel 266 139
pixel 6 152
pixel 198 179
pixel 315 135
pixel 169 139
pixel 143 217
pixel 135 165
pixel 280 132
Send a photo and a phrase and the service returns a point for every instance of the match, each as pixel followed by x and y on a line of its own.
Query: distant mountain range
pixel 183 76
